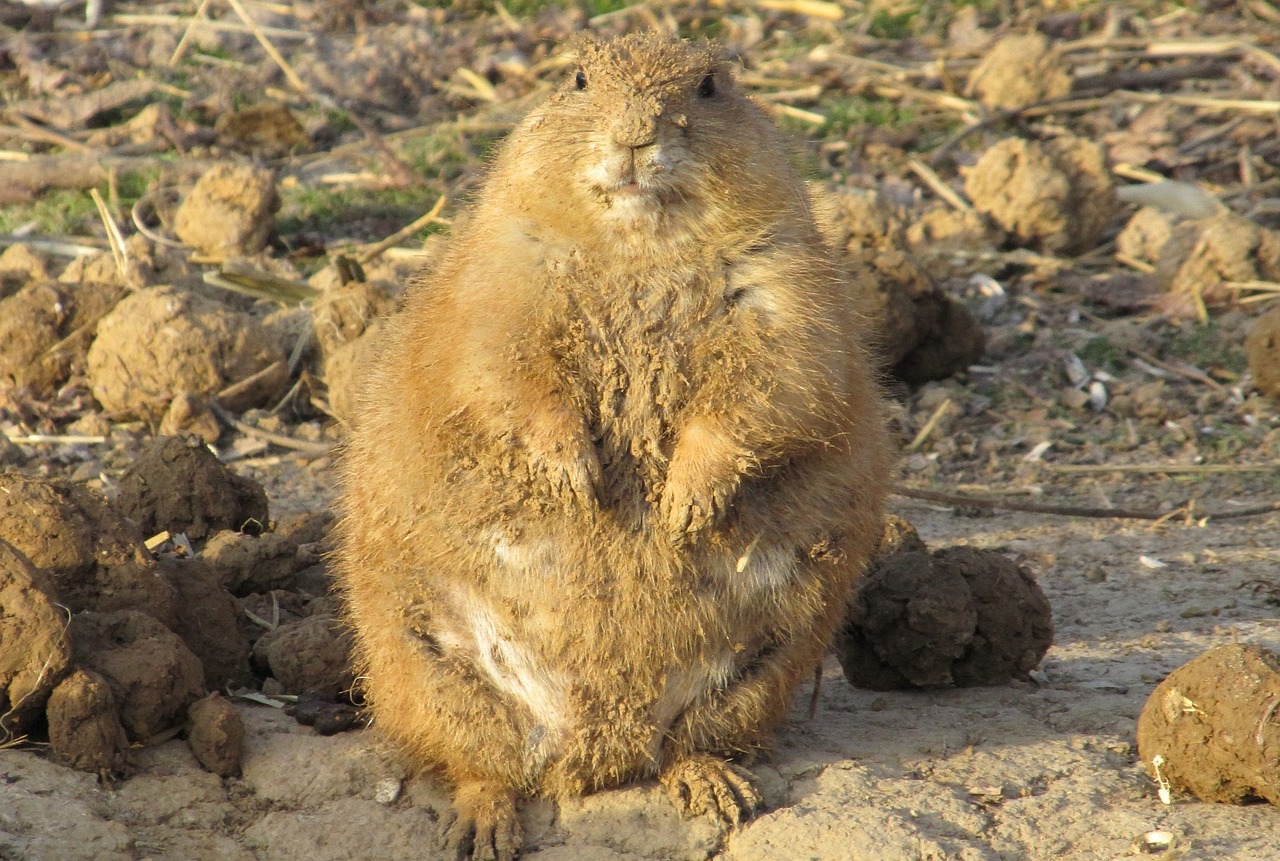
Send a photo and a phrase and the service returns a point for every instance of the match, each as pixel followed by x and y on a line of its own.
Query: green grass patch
pixel 1103 355
pixel 71 211
pixel 1207 346
pixel 845 112
pixel 357 213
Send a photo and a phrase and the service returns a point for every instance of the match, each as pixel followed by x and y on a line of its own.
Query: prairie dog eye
pixel 707 87
pixel 580 80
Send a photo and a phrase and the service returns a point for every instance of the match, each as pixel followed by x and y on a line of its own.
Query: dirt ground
pixel 1066 221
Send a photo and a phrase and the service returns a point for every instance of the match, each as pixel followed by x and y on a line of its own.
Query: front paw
pixel 482 824
pixel 569 472
pixel 688 507
pixel 702 784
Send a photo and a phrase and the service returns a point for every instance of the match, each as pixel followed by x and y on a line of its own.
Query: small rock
pixel 230 211
pixel 215 734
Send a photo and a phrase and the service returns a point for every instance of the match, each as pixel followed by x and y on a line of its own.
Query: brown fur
pixel 621 457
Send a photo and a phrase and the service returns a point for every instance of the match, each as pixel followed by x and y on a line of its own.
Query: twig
pixel 54 246
pixel 929 425
pixel 1171 468
pixel 939 187
pixel 119 253
pixel 809 8
pixel 1188 372
pixel 56 439
pixel 1074 511
pixel 188 33
pixel 283 440
pixel 275 55
pixel 407 230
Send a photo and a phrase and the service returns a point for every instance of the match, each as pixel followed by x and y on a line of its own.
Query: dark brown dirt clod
pixel 215 734
pixel 152 673
pixel 34 652
pixel 84 724
pixel 209 622
pixel 1262 346
pixel 1215 722
pixel 960 616
pixel 311 654
pixel 247 564
pixel 179 485
pixel 46 329
pixel 230 211
pixel 160 342
pixel 91 555
pixel 1057 196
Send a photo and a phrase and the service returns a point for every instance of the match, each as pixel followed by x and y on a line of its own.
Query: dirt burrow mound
pixel 92 557
pixel 178 485
pixel 1213 723
pixel 1056 196
pixel 1262 346
pixel 922 333
pixel 161 342
pixel 1019 70
pixel 960 616
pixel 34 651
pixel 230 211
pixel 46 328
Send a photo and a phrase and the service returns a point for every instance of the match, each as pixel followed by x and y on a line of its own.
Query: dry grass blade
pixel 408 230
pixel 260 285
pixel 1170 468
pixel 187 34
pixel 939 187
pixel 119 253
pixel 811 8
pixel 276 57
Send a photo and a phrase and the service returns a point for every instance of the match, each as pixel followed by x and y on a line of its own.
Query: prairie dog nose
pixel 637 127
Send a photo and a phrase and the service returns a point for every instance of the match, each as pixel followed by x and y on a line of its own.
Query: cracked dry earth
pixel 1023 771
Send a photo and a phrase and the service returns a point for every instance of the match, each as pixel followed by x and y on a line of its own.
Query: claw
pixel 702 784
pixel 482 825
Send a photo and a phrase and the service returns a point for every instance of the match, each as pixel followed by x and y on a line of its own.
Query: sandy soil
pixel 1023 771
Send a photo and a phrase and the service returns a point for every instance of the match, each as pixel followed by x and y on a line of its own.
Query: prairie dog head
pixel 646 133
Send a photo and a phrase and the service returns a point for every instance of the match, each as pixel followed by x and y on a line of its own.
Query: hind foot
pixel 482 825
pixel 702 784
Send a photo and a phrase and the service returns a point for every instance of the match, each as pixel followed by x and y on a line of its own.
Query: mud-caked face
pixel 655 115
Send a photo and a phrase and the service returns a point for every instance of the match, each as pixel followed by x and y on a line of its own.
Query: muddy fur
pixel 620 459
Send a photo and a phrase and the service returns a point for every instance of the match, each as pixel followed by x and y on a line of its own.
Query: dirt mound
pixel 1203 257
pixel 84 724
pixel 922 334
pixel 215 734
pixel 1020 70
pixel 960 616
pixel 230 211
pixel 161 342
pixel 1056 196
pixel 91 556
pixel 178 485
pixel 47 327
pixel 34 652
pixel 1212 724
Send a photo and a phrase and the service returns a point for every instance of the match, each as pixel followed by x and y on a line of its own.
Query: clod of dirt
pixel 246 564
pixel 899 536
pixel 922 333
pixel 161 342
pixel 1019 70
pixel 1213 721
pixel 230 211
pixel 47 328
pixel 84 724
pixel 188 413
pixel 1201 255
pixel 209 622
pixel 34 652
pixel 179 485
pixel 152 673
pixel 328 717
pixel 347 319
pixel 19 265
pixel 92 556
pixel 343 367
pixel 215 734
pixel 1145 235
pixel 268 130
pixel 1262 346
pixel 1056 196
pixel 960 616
pixel 311 654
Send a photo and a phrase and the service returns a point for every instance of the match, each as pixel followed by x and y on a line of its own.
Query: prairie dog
pixel 620 460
